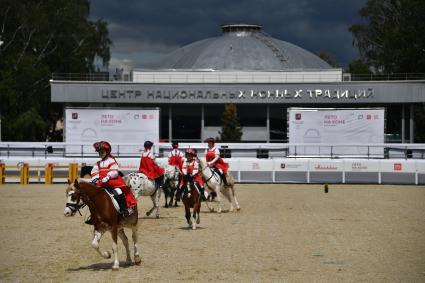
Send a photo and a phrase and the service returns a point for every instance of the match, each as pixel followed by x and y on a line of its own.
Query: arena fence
pixel 24 173
pixel 245 170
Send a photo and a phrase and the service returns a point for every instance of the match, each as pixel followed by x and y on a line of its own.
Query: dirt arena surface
pixel 284 233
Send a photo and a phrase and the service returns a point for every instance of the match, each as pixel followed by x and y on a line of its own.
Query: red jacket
pixel 149 167
pixel 213 154
pixel 109 167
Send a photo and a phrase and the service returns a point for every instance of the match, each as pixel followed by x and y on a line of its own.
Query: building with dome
pixel 263 76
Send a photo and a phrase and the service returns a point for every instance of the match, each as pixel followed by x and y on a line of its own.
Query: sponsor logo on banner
pixel 255 166
pixel 74 116
pixel 358 166
pixel 326 167
pixel 290 165
pixel 397 167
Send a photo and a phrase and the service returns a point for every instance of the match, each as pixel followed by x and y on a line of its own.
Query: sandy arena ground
pixel 284 233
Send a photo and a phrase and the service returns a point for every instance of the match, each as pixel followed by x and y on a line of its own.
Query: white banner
pixel 336 127
pixel 117 126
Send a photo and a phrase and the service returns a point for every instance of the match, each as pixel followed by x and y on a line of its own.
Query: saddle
pixel 112 193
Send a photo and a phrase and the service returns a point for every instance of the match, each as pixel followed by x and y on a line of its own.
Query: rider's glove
pixel 105 179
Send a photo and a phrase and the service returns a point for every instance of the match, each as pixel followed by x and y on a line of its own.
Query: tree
pixel 38 38
pixel 231 130
pixel 392 40
pixel 358 67
pixel 328 58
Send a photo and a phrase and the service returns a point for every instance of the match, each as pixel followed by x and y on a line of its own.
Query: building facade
pixel 261 75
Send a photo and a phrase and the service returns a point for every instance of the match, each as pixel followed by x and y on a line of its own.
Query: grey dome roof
pixel 242 47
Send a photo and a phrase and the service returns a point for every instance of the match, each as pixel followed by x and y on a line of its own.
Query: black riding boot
pixel 179 193
pixel 159 182
pixel 223 177
pixel 123 205
pixel 202 191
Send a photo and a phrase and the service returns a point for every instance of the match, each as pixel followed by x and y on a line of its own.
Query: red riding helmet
pixel 102 145
pixel 175 144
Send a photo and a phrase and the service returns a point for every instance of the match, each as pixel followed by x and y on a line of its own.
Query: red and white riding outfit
pixel 212 156
pixel 192 167
pixel 175 158
pixel 148 165
pixel 105 172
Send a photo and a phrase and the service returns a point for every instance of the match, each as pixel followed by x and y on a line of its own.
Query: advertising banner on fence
pixel 117 126
pixel 336 127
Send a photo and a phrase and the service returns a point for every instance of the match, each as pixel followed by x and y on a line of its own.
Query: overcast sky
pixel 143 30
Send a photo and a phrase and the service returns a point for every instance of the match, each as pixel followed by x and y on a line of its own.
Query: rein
pixel 212 173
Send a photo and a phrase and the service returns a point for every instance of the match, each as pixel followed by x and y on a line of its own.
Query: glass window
pixel 212 114
pixel 163 123
pixel 252 115
pixel 278 123
pixel 186 122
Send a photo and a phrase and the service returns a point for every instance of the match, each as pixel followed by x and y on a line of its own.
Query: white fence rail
pixel 286 170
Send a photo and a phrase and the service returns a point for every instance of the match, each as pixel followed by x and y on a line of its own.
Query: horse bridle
pixel 76 206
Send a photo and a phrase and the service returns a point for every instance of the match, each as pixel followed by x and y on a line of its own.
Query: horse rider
pixel 149 167
pixel 175 157
pixel 106 174
pixel 214 160
pixel 191 171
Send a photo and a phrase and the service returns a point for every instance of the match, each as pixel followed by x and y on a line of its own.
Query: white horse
pixel 143 186
pixel 213 183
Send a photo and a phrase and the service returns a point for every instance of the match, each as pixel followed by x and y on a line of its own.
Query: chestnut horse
pixel 191 199
pixel 104 216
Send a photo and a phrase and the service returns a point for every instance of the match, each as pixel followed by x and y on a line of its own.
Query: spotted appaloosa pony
pixel 105 217
pixel 172 180
pixel 143 186
pixel 191 199
pixel 213 183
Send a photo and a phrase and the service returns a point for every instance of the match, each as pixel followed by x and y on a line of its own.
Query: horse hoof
pixel 115 268
pixel 147 214
pixel 157 217
pixel 137 260
pixel 106 254
pixel 238 209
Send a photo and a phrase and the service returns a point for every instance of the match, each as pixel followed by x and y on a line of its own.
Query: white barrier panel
pixel 398 166
pixel 326 165
pixel 399 171
pixel 255 165
pixel 420 166
pixel 359 165
pixel 289 165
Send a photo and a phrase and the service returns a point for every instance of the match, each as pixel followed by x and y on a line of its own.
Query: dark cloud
pixel 144 30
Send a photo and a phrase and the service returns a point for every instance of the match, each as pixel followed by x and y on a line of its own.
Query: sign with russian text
pixel 337 127
pixel 117 126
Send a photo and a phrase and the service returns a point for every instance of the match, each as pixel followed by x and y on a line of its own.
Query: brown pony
pixel 191 199
pixel 104 216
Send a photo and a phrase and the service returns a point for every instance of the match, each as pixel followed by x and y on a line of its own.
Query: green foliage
pixel 328 58
pixel 392 41
pixel 41 37
pixel 231 130
pixel 358 67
